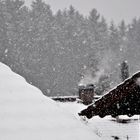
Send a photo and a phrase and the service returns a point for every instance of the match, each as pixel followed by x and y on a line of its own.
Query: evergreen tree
pixel 93 25
pixel 103 85
pixel 133 45
pixel 11 34
pixel 123 38
pixel 114 38
pixel 94 16
pixel 3 32
pixel 103 36
pixel 122 29
pixel 124 70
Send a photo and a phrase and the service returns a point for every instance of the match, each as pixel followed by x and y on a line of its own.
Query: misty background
pixel 116 10
pixel 58 50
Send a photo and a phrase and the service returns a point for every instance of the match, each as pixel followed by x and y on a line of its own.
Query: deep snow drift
pixel 26 114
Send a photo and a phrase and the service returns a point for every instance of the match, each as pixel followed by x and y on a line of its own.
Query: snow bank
pixel 26 114
pixel 107 128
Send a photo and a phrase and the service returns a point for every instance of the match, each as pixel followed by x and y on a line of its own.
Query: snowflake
pixel 6 51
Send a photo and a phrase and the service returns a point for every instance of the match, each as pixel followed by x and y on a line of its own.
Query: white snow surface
pixel 26 114
pixel 107 128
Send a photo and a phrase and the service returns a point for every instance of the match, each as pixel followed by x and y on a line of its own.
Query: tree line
pixel 53 50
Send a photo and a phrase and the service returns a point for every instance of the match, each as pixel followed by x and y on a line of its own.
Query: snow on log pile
pixel 26 114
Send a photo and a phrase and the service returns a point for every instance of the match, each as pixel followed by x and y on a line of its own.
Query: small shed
pixel 122 100
pixel 86 94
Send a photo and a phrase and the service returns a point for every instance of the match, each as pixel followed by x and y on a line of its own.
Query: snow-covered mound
pixel 26 114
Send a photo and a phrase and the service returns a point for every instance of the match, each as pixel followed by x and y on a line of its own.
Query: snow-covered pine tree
pixel 124 70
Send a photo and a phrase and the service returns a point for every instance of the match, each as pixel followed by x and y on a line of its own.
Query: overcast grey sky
pixel 110 9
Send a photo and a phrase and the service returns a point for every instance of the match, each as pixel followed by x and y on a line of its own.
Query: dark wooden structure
pixel 70 98
pixel 122 100
pixel 86 94
pixel 65 98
